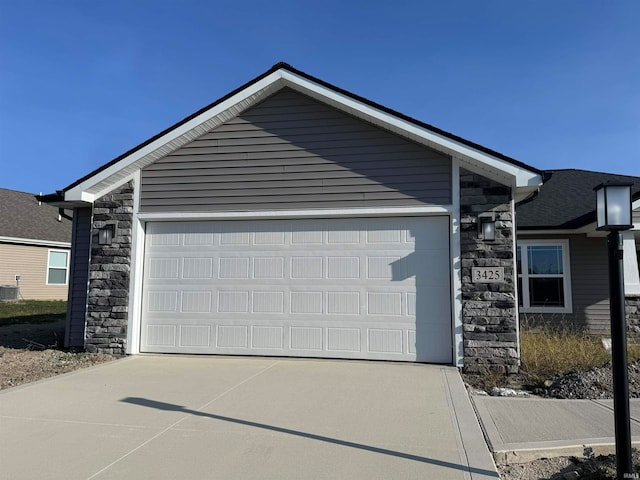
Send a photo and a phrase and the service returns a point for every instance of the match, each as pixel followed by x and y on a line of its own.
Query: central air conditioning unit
pixel 9 293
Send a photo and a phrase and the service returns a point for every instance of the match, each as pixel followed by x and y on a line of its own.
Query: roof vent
pixel 9 293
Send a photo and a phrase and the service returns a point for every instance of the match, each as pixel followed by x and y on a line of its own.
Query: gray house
pixel 294 218
pixel 562 259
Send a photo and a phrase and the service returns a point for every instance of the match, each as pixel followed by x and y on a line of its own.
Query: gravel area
pixel 593 384
pixel 565 468
pixel 31 352
pixel 23 366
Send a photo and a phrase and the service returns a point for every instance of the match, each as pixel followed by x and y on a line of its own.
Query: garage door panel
pixel 341 288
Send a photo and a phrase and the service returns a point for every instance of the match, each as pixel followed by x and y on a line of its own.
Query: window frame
pixel 524 275
pixel 66 268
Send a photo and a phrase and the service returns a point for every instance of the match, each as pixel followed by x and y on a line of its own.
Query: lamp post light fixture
pixel 613 211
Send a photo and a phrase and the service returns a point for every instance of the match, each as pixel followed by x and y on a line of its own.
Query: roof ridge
pixel 17 191
pixel 589 171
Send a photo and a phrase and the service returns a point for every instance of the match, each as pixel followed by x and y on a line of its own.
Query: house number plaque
pixel 487 274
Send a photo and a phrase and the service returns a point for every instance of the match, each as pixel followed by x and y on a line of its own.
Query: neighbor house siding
pixel 291 152
pixel 589 285
pixel 636 219
pixel 30 262
pixel 79 277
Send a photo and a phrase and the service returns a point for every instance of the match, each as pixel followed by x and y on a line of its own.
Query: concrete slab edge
pixel 608 405
pixel 471 437
pixel 523 454
pixel 490 431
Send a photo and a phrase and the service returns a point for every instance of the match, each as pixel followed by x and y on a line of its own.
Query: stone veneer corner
pixel 490 338
pixel 109 274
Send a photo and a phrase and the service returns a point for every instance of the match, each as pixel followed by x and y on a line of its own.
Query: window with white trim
pixel 58 267
pixel 544 279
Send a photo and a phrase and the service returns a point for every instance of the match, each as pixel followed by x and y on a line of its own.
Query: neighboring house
pixel 294 218
pixel 35 247
pixel 562 259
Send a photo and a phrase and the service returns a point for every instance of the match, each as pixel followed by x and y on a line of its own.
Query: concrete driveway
pixel 183 417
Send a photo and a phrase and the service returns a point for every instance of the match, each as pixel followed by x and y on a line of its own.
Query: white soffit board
pixel 233 106
pixel 363 288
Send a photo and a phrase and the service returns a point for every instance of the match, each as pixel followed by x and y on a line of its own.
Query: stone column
pixel 109 269
pixel 488 309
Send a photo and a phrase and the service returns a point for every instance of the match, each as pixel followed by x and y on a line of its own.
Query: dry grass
pixel 32 311
pixel 547 351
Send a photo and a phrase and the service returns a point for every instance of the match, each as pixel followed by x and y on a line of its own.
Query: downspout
pixel 61 215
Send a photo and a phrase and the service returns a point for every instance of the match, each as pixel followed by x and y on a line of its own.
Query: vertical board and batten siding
pixel 78 279
pixel 30 262
pixel 292 152
pixel 589 284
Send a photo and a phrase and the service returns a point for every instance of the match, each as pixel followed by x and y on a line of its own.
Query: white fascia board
pixel 522 176
pixel 194 128
pixel 316 213
pixel 231 107
pixel 35 242
pixel 587 229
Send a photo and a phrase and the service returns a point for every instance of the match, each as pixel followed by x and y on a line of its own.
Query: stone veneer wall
pixel 109 269
pixel 632 313
pixel 488 309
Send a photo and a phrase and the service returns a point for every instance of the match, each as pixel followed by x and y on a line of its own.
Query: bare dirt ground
pixel 32 352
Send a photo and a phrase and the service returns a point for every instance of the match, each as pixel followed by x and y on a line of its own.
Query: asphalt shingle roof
pixel 567 200
pixel 22 217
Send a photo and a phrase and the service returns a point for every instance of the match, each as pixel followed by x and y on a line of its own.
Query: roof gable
pixel 22 217
pixel 119 170
pixel 291 152
pixel 567 200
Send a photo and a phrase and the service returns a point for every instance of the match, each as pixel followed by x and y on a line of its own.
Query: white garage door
pixel 371 288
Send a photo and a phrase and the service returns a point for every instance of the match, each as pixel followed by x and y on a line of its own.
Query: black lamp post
pixel 613 201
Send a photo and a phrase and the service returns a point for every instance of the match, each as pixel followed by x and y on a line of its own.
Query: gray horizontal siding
pixel 589 285
pixel 78 278
pixel 292 152
pixel 636 218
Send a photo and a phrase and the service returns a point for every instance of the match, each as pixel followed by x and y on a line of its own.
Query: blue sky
pixel 555 84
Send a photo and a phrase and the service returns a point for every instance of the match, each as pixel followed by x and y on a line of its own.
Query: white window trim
pixel 66 282
pixel 525 308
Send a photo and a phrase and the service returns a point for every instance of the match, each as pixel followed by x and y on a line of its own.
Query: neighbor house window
pixel 58 267
pixel 544 281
